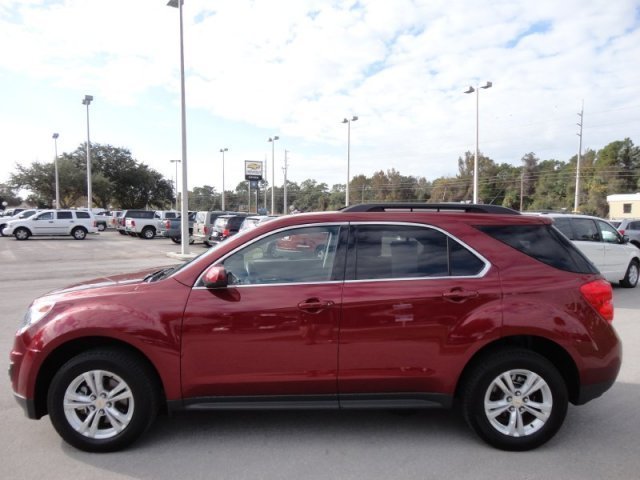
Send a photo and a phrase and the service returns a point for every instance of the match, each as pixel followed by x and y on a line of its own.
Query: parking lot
pixel 598 440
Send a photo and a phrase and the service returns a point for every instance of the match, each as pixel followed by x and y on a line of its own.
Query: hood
pixel 109 281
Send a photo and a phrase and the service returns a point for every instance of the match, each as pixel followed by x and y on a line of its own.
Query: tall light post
pixel 55 164
pixel 348 122
pixel 576 201
pixel 222 150
pixel 87 101
pixel 273 171
pixel 175 182
pixel 475 158
pixel 284 169
pixel 184 227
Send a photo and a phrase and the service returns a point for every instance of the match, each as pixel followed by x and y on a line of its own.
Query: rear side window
pixel 82 215
pixel 542 242
pixel 397 251
pixel 141 214
pixel 65 215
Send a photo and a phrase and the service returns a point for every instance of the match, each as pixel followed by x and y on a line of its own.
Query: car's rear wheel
pixel 515 400
pixel 102 400
pixel 631 277
pixel 2 227
pixel 122 232
pixel 102 227
pixel 148 233
pixel 79 233
pixel 21 233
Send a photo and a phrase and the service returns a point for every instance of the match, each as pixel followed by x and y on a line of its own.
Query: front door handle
pixel 459 295
pixel 314 305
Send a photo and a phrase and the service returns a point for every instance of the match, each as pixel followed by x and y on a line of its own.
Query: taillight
pixel 133 223
pixel 225 232
pixel 206 230
pixel 167 224
pixel 600 296
pixel 621 231
pixel 95 224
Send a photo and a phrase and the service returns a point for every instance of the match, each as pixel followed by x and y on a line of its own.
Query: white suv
pixel 610 252
pixel 76 223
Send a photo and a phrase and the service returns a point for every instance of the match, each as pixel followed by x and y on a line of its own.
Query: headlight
pixel 37 311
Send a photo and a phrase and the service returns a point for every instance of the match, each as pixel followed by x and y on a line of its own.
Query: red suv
pixel 414 305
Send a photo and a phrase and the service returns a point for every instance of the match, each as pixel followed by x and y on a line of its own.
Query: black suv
pixel 224 227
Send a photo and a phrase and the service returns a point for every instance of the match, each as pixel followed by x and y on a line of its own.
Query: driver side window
pixel 299 255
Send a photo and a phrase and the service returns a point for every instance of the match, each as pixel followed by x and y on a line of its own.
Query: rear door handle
pixel 459 295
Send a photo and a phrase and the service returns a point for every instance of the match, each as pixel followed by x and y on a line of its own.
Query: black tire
pixel 79 233
pixel 117 368
pixel 21 233
pixel 550 398
pixel 176 239
pixel 2 227
pixel 102 227
pixel 148 233
pixel 631 277
pixel 122 232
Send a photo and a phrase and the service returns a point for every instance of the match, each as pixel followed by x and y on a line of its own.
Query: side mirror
pixel 215 277
pixel 625 238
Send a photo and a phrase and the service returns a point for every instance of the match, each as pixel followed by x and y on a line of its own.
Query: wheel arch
pixel 66 351
pixel 553 352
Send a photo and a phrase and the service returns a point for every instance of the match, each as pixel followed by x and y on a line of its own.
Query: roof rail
pixel 431 207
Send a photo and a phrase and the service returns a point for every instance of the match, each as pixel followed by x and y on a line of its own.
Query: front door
pixel 274 329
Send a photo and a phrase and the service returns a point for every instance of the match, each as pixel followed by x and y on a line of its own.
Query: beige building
pixel 624 205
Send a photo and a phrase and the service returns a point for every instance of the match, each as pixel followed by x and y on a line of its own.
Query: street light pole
pixel 576 202
pixel 175 182
pixel 286 166
pixel 348 122
pixel 222 150
pixel 55 164
pixel 475 158
pixel 184 214
pixel 273 172
pixel 87 101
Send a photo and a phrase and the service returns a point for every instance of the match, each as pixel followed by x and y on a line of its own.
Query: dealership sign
pixel 252 170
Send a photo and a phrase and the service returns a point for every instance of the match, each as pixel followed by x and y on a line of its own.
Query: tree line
pixel 120 181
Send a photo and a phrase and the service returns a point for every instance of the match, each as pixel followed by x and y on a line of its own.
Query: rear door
pixel 616 253
pixel 587 237
pixel 411 297
pixel 64 223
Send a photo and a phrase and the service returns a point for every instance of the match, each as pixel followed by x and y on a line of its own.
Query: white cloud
pixel 297 67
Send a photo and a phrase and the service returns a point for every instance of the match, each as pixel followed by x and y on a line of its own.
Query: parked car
pixel 610 252
pixel 417 308
pixel 172 228
pixel 102 221
pixel 224 227
pixel 253 221
pixel 631 228
pixel 4 221
pixel 203 224
pixel 76 223
pixel 10 212
pixel 141 223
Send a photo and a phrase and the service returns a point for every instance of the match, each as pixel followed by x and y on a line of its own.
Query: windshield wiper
pixel 155 276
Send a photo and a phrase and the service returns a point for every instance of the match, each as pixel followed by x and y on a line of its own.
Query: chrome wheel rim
pixel 633 274
pixel 22 234
pixel 98 404
pixel 518 403
pixel 79 234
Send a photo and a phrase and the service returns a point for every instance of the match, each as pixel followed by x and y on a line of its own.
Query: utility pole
pixel 576 202
pixel 286 166
pixel 521 188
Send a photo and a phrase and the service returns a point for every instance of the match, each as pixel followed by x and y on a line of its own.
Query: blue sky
pixel 296 68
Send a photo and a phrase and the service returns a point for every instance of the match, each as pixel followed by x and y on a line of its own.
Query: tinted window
pixel 278 259
pixel 141 214
pixel 633 226
pixel 542 242
pixel 389 251
pixel 45 216
pixel 83 215
pixel 171 215
pixel 585 230
pixel 564 225
pixel 66 215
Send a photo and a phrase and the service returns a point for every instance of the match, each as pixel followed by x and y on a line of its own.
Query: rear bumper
pixel 28 406
pixel 590 392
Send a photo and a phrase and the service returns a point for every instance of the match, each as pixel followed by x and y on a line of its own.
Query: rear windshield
pixel 542 242
pixel 141 214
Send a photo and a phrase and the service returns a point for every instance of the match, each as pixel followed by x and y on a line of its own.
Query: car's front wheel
pixel 102 400
pixel 148 233
pixel 21 233
pixel 631 277
pixel 515 400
